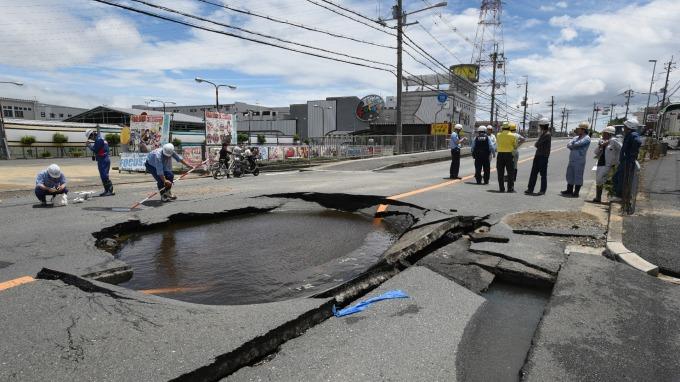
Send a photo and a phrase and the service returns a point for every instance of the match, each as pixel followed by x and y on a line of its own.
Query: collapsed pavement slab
pixel 607 322
pixel 97 332
pixel 380 343
pixel 542 253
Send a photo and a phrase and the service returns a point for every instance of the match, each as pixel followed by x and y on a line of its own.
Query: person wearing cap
pixel 100 148
pixel 492 138
pixel 578 147
pixel 607 154
pixel 159 165
pixel 540 164
pixel 482 149
pixel 455 144
pixel 515 154
pixel 629 153
pixel 506 143
pixel 50 182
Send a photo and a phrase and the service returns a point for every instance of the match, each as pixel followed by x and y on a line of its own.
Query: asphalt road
pixel 62 238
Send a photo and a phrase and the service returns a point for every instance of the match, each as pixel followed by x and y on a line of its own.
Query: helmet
pixel 609 129
pixel 632 123
pixel 505 126
pixel 88 132
pixel 168 149
pixel 54 171
pixel 583 125
pixel 489 127
pixel 543 121
pixel 481 129
pixel 513 127
pixel 458 126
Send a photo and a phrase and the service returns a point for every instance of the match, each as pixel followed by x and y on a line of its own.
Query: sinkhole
pixel 255 257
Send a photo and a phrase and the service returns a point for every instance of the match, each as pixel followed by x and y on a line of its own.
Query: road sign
pixel 442 97
pixel 652 117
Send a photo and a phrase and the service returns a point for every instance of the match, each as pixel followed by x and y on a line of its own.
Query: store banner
pixel 192 155
pixel 440 129
pixel 148 132
pixel 219 128
pixel 132 161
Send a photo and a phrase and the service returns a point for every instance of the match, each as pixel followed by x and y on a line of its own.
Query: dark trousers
pixel 104 165
pixel 540 166
pixel 482 163
pixel 42 194
pixel 455 163
pixel 159 182
pixel 505 163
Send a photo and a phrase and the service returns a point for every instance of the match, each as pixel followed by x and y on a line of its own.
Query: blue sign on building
pixel 442 97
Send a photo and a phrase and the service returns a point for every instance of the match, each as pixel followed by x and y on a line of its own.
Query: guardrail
pixel 54 151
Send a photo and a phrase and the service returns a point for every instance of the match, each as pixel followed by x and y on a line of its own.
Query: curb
pixel 616 248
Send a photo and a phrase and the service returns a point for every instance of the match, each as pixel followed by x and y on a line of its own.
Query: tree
pixel 177 142
pixel 296 138
pixel 26 140
pixel 242 137
pixel 261 139
pixel 59 139
pixel 617 121
pixel 113 139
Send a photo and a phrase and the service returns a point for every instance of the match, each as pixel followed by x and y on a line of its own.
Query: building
pixel 34 110
pixel 121 116
pixel 331 116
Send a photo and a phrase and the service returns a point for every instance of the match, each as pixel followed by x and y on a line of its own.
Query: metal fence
pixel 53 151
pixel 408 144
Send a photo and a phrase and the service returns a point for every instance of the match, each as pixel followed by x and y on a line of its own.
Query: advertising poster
pixel 440 129
pixel 264 153
pixel 132 161
pixel 219 128
pixel 192 155
pixel 146 132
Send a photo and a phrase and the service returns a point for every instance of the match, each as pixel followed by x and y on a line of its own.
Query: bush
pixel 59 138
pixel 45 154
pixel 27 140
pixel 296 138
pixel 261 139
pixel 242 137
pixel 176 142
pixel 113 139
pixel 76 153
pixel 306 141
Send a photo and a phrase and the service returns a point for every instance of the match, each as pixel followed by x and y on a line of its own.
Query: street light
pixel 217 90
pixel 3 138
pixel 163 102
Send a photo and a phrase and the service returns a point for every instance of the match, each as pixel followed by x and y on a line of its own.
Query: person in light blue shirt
pixel 50 182
pixel 455 145
pixel 159 165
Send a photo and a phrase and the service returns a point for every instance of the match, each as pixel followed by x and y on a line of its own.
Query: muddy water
pixel 496 342
pixel 255 258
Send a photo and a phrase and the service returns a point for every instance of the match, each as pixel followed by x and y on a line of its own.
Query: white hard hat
pixel 543 121
pixel 632 123
pixel 88 132
pixel 609 129
pixel 54 171
pixel 489 127
pixel 168 149
pixel 458 126
pixel 583 125
pixel 481 129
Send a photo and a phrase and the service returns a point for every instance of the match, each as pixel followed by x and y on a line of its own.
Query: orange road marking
pixel 174 290
pixel 384 207
pixel 16 282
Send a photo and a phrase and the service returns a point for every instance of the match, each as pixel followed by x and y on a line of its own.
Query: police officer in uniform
pixel 482 148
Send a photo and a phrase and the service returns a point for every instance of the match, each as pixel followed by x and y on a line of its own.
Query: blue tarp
pixel 364 304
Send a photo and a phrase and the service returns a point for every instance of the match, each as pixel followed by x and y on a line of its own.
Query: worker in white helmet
pixel 455 144
pixel 578 147
pixel 515 154
pixel 50 182
pixel 100 148
pixel 482 149
pixel 607 154
pixel 629 153
pixel 159 165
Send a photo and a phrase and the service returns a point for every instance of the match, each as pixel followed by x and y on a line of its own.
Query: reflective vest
pixel 506 142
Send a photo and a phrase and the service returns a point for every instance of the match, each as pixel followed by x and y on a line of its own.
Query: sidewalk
pixel 652 232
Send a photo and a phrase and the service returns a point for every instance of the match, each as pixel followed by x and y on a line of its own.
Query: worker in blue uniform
pixel 159 165
pixel 482 149
pixel 50 182
pixel 100 148
pixel 629 153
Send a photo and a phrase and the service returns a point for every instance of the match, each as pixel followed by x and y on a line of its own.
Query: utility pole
pixel 592 119
pixel 669 66
pixel 566 123
pixel 628 94
pixel 399 15
pixel 564 112
pixel 526 94
pixel 611 112
pixel 494 58
pixel 552 114
pixel 649 95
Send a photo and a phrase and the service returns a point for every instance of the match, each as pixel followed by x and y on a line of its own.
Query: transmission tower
pixel 488 52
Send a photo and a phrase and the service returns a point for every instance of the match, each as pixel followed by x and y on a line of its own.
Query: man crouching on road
pixel 159 165
pixel 51 182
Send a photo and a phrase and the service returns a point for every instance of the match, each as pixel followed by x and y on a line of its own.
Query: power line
pixel 351 18
pixel 185 23
pixel 440 43
pixel 351 11
pixel 297 25
pixel 256 33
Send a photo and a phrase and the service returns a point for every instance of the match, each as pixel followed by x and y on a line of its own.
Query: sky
pixel 83 53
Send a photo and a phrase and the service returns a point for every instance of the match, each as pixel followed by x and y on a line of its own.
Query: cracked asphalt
pixel 62 332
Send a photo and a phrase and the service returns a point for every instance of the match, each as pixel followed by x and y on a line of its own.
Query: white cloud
pixel 561 4
pixel 568 34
